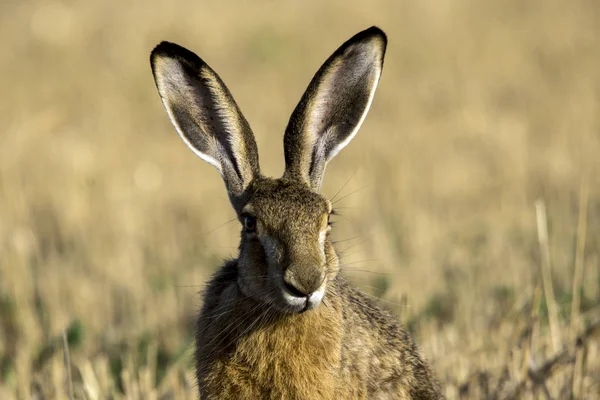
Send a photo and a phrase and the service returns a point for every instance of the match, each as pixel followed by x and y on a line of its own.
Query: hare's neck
pixel 314 330
pixel 268 349
pixel 306 335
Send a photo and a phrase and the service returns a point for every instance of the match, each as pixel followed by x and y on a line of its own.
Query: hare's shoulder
pixel 364 310
pixel 220 291
pixel 374 336
pixel 224 277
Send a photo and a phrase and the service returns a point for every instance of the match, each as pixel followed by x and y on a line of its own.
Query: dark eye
pixel 250 224
pixel 329 221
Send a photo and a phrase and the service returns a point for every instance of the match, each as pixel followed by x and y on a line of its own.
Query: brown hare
pixel 279 322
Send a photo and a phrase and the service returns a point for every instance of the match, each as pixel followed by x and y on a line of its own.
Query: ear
pixel 334 106
pixel 205 115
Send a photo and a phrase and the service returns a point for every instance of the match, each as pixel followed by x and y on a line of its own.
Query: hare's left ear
pixel 205 115
pixel 334 106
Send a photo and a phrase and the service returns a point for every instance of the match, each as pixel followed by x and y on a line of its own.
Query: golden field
pixel 109 225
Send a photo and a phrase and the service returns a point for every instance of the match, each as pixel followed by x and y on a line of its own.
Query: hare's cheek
pixel 322 240
pixel 271 249
pixel 254 253
pixel 331 257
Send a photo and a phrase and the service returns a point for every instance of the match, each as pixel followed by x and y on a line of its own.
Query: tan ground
pixel 109 225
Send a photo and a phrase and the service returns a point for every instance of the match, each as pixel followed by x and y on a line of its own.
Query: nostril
pixel 294 290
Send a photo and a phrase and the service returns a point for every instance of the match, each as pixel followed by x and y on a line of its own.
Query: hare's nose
pixel 301 293
pixel 302 282
pixel 295 290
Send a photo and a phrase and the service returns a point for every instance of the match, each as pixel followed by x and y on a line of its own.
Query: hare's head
pixel 286 258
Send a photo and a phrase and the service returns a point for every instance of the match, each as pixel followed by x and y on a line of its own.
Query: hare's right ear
pixel 205 115
pixel 334 106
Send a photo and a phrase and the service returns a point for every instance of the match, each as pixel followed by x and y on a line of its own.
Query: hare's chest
pixel 278 362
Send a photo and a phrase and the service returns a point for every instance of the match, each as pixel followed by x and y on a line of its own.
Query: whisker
pixel 221 332
pixel 351 193
pixel 344 185
pixel 363 305
pixel 244 319
pixel 236 299
pixel 381 299
pixel 270 317
pixel 368 271
pixel 231 228
pixel 218 247
pixel 346 240
pixel 259 277
pixel 189 286
pixel 359 262
pixel 220 226
pixel 352 245
pixel 345 251
pixel 249 327
pixel 343 216
pixel 227 306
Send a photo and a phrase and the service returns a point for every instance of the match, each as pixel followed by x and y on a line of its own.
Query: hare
pixel 279 322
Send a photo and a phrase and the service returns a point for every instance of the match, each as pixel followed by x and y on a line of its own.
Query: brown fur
pixel 279 322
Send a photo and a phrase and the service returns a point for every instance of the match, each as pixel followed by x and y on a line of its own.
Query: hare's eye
pixel 329 221
pixel 250 224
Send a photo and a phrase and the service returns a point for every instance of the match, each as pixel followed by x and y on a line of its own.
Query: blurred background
pixel 110 226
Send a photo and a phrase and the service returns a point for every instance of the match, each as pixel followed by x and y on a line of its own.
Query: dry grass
pixel 109 226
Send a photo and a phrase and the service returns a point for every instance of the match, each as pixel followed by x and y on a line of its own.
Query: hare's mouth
pixel 299 302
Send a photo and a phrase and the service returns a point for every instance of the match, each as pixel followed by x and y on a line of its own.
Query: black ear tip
pixel 171 50
pixel 372 33
pixel 164 49
pixel 377 32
